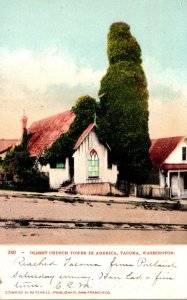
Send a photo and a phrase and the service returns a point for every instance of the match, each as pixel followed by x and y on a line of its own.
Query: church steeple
pixel 24 121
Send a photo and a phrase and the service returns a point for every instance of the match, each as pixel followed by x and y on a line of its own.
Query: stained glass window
pixel 93 164
pixel 60 165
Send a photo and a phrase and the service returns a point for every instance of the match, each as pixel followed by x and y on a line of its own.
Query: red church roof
pixel 161 148
pixel 83 135
pixel 44 133
pixel 6 144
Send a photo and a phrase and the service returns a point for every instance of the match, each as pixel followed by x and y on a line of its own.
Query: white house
pixel 169 156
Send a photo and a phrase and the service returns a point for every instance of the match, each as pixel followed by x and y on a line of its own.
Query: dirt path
pixel 43 209
pixel 88 222
pixel 42 236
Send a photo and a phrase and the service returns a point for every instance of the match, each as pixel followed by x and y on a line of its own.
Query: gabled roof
pixel 7 144
pixel 84 135
pixel 44 133
pixel 161 148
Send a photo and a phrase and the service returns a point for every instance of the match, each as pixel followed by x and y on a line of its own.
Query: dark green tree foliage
pixel 123 115
pixel 84 110
pixel 24 139
pixel 18 161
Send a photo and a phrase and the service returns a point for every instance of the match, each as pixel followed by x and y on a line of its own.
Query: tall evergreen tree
pixel 123 115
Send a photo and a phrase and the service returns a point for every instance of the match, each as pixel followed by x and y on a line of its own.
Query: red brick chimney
pixel 24 126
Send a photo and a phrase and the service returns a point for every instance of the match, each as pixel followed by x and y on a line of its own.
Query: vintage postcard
pixel 93 149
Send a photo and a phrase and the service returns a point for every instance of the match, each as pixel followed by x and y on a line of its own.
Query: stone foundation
pixel 97 189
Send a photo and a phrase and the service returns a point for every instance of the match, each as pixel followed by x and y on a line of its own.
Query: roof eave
pixel 164 162
pixel 78 145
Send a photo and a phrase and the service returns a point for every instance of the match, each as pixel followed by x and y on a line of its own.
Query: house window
pixel 60 165
pixel 185 180
pixel 183 153
pixel 93 164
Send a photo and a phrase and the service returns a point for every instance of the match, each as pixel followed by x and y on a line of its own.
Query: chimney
pixel 24 128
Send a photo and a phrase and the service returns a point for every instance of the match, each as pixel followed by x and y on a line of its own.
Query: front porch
pixel 177 181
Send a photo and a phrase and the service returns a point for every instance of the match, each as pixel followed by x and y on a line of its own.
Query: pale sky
pixel 53 51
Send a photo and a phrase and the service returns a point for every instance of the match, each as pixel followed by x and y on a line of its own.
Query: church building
pixel 88 169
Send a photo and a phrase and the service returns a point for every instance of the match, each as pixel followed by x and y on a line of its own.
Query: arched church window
pixel 93 164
